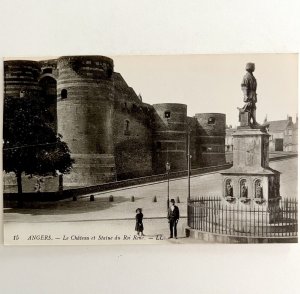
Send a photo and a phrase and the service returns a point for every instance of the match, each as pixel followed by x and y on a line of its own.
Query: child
pixel 139 227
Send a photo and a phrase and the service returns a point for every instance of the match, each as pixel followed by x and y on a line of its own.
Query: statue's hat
pixel 250 65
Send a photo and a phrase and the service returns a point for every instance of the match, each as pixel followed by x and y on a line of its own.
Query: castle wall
pixel 85 115
pixel 169 137
pixel 194 141
pixel 132 134
pixel 211 138
pixel 111 133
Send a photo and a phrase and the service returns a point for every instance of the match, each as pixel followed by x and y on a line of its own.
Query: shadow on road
pixel 67 206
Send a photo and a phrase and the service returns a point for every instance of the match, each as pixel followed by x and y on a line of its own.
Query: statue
pixel 259 191
pixel 229 189
pixel 249 86
pixel 244 190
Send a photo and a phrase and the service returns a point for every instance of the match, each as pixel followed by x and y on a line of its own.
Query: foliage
pixel 30 144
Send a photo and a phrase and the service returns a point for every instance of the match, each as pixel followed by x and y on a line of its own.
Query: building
pixel 284 135
pixel 229 144
pixel 112 134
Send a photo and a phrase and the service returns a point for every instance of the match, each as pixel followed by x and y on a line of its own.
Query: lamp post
pixel 168 167
pixel 167 115
pixel 189 163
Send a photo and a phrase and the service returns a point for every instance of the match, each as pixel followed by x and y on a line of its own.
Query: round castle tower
pixel 211 138
pixel 21 78
pixel 170 127
pixel 85 94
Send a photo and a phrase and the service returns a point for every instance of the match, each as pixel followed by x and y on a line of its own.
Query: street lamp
pixel 167 115
pixel 168 167
pixel 189 165
pixel 189 156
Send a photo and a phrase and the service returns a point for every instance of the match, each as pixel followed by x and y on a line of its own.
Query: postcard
pixel 175 149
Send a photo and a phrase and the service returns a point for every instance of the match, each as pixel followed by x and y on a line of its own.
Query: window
pixel 126 127
pixel 211 120
pixel 290 132
pixel 158 145
pixel 64 94
pixel 98 148
pixel 167 114
pixel 47 70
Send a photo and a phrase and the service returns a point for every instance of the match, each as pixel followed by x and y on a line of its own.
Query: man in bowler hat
pixel 173 217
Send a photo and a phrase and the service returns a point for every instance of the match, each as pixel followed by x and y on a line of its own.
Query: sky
pixel 212 83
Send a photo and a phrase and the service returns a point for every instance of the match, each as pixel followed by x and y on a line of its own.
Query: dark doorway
pixel 278 144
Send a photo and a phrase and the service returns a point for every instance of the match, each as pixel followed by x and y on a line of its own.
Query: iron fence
pixel 274 219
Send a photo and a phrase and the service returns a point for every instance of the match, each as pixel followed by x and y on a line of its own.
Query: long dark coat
pixel 139 227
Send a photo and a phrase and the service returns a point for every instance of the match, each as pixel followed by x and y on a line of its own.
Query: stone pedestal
pixel 251 183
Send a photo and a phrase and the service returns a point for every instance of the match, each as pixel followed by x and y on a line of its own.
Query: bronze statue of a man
pixel 249 86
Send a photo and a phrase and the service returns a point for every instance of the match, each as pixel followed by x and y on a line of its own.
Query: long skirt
pixel 139 227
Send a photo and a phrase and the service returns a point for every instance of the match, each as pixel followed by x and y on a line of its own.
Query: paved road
pixel 123 208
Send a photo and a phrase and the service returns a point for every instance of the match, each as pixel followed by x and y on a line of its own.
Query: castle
pixel 111 132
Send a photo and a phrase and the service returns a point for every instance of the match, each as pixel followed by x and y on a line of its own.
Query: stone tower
pixel 210 138
pixel 21 78
pixel 170 136
pixel 84 114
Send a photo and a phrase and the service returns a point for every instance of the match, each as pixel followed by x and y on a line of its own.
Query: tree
pixel 30 144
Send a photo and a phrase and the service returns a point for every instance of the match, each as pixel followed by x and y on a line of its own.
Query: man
pixel 173 217
pixel 249 86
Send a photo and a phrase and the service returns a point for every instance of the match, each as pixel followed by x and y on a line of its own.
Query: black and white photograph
pixel 150 149
pixel 149 146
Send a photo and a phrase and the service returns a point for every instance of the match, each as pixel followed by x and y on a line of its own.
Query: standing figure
pixel 139 227
pixel 244 190
pixel 249 86
pixel 259 191
pixel 173 217
pixel 229 189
